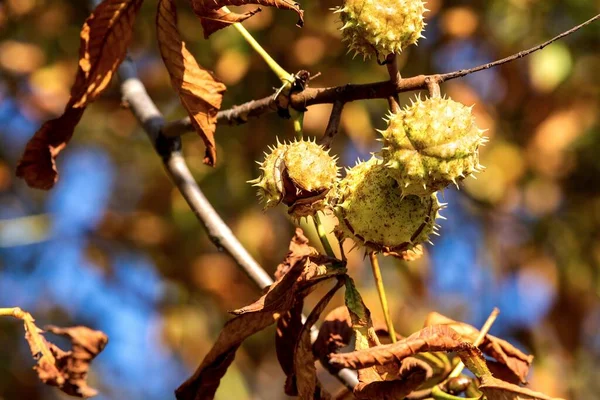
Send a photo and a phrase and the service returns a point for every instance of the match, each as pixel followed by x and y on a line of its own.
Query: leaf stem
pixel 12 312
pixel 484 331
pixel 298 118
pixel 439 394
pixel 31 328
pixel 382 296
pixel 281 73
pixel 323 235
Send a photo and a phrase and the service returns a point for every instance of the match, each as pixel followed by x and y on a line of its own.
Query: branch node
pixel 433 85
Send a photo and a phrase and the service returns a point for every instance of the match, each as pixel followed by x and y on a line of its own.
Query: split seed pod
pixel 299 175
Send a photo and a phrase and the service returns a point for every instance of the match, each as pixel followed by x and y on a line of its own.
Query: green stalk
pixel 281 73
pixel 484 330
pixel 439 394
pixel 323 235
pixel 382 296
pixel 298 118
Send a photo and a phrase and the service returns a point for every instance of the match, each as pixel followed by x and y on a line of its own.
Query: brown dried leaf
pixel 412 374
pixel 213 20
pixel 205 9
pixel 66 370
pixel 105 37
pixel 316 268
pixel 298 249
pixel 304 360
pixel 38 163
pixel 205 381
pixel 199 91
pixel 289 327
pixel 502 351
pixel 335 333
pixel 495 389
pixel 388 381
pixel 429 339
pixel 391 390
pixel 279 299
pixel 74 365
pixel 46 362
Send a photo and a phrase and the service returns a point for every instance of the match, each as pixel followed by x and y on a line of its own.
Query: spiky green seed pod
pixel 381 27
pixel 373 212
pixel 299 174
pixel 431 144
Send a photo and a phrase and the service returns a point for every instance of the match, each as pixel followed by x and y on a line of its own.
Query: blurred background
pixel 115 247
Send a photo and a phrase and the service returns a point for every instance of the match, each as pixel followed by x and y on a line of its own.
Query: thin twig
pixel 521 54
pixel 352 92
pixel 237 115
pixel 333 125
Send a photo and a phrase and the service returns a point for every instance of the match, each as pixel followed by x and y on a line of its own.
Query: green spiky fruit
pixel 299 174
pixel 381 27
pixel 373 212
pixel 431 144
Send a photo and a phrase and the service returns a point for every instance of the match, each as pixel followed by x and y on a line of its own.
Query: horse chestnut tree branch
pixel 387 205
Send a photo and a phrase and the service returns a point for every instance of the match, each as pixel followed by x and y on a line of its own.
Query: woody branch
pixel 351 92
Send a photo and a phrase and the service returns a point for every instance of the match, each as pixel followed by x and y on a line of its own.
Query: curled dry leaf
pixel 304 360
pixel 335 333
pixel 391 390
pixel 512 364
pixel 495 389
pixel 213 20
pixel 279 299
pixel 396 381
pixel 396 384
pixel 289 327
pixel 392 380
pixel 429 339
pixel 105 37
pixel 199 91
pixel 74 365
pixel 298 249
pixel 213 17
pixel 66 370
